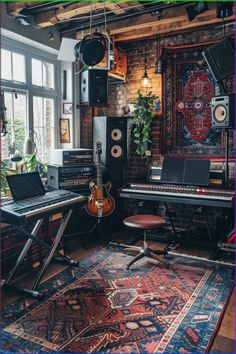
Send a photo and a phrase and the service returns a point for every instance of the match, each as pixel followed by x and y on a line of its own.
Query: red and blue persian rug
pixel 102 307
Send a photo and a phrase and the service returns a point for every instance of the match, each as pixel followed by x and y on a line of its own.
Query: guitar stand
pixel 98 229
pixel 52 250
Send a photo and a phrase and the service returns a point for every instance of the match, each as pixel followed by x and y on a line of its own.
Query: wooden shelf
pixel 115 78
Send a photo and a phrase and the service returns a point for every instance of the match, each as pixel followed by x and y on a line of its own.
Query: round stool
pixel 145 222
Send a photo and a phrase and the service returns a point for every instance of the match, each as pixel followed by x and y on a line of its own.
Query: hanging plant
pixel 143 116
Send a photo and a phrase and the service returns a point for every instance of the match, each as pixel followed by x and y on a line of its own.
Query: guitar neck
pixel 99 174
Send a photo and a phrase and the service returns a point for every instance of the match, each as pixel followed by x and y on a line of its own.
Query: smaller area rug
pixel 102 307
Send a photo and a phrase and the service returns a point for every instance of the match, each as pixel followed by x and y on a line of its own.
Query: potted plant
pixel 142 117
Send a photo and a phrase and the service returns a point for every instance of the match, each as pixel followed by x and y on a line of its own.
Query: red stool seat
pixel 144 222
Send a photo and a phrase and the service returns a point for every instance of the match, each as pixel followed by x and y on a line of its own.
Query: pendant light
pixel 145 80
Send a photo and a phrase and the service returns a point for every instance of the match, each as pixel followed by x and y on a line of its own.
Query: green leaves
pixel 30 164
pixel 4 171
pixel 143 116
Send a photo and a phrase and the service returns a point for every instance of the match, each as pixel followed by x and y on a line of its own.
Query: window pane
pixel 38 111
pixel 48 112
pixel 16 115
pixel 18 67
pixel 8 98
pixel 37 74
pixel 19 106
pixel 5 141
pixel 43 126
pixel 6 65
pixel 48 75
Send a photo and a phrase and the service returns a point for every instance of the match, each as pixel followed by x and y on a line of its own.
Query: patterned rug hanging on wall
pixel 102 307
pixel 188 87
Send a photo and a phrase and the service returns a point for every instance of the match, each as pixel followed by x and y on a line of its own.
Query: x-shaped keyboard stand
pixel 52 250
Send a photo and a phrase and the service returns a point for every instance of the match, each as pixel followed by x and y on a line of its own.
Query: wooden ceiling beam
pixel 169 23
pixel 142 21
pixel 114 8
pixel 13 8
pixel 208 15
pixel 77 9
pixel 133 4
pixel 46 19
pixel 172 21
pixel 176 27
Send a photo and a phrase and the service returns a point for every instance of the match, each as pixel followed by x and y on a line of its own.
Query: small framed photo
pixel 67 108
pixel 64 125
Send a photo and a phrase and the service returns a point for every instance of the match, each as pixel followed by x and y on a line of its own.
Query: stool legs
pixel 145 252
pixel 135 259
pixel 160 259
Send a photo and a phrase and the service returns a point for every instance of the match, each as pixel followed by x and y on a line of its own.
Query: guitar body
pixel 100 202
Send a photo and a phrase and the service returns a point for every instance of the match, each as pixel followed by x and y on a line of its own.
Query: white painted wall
pixel 39 38
pixel 67 68
pixel 29 32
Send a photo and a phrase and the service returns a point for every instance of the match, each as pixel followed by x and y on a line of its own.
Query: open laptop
pixel 27 188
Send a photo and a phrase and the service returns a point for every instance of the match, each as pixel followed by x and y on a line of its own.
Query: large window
pixel 30 93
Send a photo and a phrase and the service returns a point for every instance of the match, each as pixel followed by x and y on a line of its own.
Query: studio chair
pixel 145 223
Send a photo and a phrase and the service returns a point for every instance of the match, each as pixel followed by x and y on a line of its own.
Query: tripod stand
pixel 97 228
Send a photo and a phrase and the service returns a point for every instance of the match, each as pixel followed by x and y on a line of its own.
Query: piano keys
pixel 40 206
pixel 202 196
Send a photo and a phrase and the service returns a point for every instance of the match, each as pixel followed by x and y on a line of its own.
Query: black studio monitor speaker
pixel 220 59
pixel 93 88
pixel 222 112
pixel 196 9
pixel 224 9
pixel 112 132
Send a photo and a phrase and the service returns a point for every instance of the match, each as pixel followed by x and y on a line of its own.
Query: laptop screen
pixel 25 185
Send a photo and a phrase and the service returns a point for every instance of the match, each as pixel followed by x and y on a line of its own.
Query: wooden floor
pixel 225 338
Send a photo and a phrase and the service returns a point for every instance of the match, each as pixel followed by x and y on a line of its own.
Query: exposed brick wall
pixel 121 94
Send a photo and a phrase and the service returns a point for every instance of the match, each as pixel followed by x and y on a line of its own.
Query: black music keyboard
pixel 203 196
pixel 39 206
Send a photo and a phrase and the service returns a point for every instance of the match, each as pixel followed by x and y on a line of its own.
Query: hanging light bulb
pixel 145 80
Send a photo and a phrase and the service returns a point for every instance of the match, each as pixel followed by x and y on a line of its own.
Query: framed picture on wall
pixel 67 108
pixel 64 126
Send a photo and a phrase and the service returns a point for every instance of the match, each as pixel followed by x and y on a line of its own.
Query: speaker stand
pixel 222 86
pixel 227 157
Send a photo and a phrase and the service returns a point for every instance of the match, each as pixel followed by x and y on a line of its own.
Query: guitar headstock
pixel 99 147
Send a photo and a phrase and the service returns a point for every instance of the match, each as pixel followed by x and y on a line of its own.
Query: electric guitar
pixel 100 202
